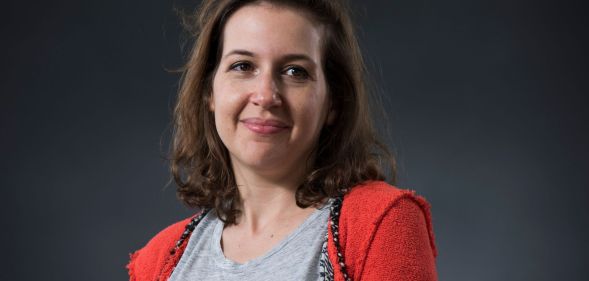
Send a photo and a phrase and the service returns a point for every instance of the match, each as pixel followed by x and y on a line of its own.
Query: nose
pixel 266 94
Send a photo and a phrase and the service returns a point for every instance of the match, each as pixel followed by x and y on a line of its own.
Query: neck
pixel 264 199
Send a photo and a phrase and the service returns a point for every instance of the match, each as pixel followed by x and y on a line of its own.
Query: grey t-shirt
pixel 298 257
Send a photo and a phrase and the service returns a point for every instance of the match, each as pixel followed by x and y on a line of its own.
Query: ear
pixel 330 117
pixel 211 102
pixel 331 114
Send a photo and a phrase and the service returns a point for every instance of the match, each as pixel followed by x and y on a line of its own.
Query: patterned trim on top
pixel 325 268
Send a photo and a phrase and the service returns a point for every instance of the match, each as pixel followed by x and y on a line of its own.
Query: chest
pixel 240 243
pixel 298 254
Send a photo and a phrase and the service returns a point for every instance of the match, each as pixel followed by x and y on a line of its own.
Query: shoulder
pixel 380 223
pixel 372 199
pixel 387 231
pixel 367 205
pixel 148 262
pixel 374 192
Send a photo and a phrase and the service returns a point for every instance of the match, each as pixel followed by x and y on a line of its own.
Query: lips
pixel 264 126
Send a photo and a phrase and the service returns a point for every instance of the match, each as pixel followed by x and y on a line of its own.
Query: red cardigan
pixel 385 234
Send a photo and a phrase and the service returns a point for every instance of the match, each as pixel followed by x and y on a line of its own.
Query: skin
pixel 270 103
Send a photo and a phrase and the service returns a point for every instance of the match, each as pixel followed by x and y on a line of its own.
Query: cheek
pixel 222 95
pixel 227 103
pixel 312 111
pixel 320 103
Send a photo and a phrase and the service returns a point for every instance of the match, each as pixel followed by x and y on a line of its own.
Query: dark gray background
pixel 487 104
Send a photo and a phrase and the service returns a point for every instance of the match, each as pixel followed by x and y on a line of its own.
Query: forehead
pixel 267 29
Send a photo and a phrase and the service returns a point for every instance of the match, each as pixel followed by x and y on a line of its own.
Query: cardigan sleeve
pixel 154 259
pixel 402 244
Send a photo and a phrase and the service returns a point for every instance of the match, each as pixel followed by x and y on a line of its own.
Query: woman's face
pixel 269 92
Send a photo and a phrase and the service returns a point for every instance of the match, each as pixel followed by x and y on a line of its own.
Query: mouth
pixel 264 126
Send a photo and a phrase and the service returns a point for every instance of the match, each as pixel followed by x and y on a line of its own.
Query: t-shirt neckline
pixel 226 263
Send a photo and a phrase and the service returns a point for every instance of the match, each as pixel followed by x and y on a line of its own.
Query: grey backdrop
pixel 487 104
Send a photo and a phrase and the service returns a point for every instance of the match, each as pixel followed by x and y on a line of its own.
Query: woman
pixel 274 144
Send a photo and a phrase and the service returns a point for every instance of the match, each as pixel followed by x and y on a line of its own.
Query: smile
pixel 264 126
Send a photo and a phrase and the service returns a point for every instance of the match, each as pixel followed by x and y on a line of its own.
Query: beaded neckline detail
pixel 188 230
pixel 336 207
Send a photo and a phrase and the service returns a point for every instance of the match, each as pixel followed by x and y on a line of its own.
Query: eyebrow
pixel 288 57
pixel 240 52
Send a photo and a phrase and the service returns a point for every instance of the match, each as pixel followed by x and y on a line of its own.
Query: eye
pixel 242 66
pixel 296 72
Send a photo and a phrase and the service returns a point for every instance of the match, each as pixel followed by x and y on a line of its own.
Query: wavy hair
pixel 347 152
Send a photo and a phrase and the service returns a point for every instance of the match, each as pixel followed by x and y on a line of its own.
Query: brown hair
pixel 347 152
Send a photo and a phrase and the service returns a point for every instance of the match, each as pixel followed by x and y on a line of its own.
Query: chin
pixel 265 163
